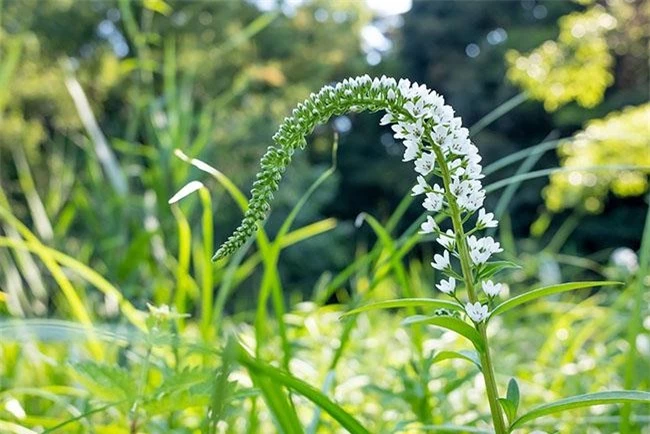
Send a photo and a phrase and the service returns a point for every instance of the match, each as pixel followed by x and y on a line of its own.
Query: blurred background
pixel 109 107
pixel 96 96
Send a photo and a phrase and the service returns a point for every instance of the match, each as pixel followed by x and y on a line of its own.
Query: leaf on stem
pixel 431 303
pixel 542 292
pixel 491 268
pixel 579 401
pixel 510 403
pixel 470 356
pixel 450 323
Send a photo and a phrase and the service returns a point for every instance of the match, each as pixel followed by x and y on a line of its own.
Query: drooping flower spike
pixel 435 142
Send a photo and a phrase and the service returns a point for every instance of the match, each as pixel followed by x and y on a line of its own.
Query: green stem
pixel 466 265
pixel 491 384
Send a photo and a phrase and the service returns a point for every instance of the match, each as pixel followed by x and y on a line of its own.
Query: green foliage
pixel 588 400
pixel 106 382
pixel 621 138
pixel 510 403
pixel 543 292
pixel 575 67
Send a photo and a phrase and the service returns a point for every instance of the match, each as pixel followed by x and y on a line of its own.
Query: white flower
pixel 477 312
pixel 424 164
pixel 441 262
pixel 411 151
pixel 429 226
pixel 421 186
pixel 447 286
pixel 387 119
pixel 491 289
pixel 486 220
pixel 416 109
pixel 433 201
pixel 447 240
pixel 439 133
pixel 481 249
pixel 473 171
pixel 460 143
pixel 471 201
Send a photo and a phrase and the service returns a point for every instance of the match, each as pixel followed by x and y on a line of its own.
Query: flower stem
pixel 491 385
pixel 466 265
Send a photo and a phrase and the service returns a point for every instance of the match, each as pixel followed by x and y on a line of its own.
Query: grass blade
pixel 281 408
pixel 82 270
pixel 314 395
pixel 103 151
pixel 509 159
pixel 498 112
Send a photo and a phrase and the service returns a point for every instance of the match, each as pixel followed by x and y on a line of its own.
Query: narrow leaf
pixel 492 268
pixel 508 408
pixel 284 415
pixel 542 292
pixel 579 401
pixel 512 394
pixel 430 303
pixel 187 189
pixel 450 323
pixel 281 377
pixel 470 356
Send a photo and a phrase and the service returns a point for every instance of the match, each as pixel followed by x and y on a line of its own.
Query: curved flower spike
pixel 431 135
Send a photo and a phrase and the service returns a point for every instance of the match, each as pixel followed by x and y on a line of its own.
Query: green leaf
pixel 284 414
pixel 508 408
pixel 510 403
pixel 470 356
pixel 491 268
pixel 106 382
pixel 277 376
pixel 450 323
pixel 407 302
pixel 579 401
pixel 512 393
pixel 542 292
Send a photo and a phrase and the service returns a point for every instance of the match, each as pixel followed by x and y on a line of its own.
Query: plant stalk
pixel 465 261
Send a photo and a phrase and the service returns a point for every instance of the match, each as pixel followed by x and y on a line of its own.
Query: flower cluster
pixel 437 143
pixel 434 140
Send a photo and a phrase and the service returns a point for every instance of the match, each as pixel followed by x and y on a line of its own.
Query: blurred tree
pixel 580 66
pixel 211 78
pixel 620 139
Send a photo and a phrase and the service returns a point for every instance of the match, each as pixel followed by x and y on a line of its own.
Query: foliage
pixel 579 66
pixel 576 67
pixel 620 139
